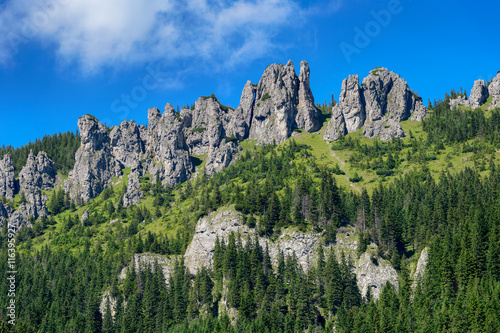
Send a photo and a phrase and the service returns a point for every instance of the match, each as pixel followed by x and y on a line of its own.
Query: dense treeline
pixel 459 124
pixel 457 216
pixel 61 148
pixel 58 291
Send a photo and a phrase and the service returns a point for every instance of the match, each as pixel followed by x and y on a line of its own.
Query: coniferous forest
pixel 72 275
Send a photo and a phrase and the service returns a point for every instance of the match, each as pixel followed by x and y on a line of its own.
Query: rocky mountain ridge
pixel 269 112
pixel 379 104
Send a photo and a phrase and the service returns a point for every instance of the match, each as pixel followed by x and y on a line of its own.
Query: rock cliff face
pixel 276 99
pixel 374 275
pixel 226 221
pixel 351 104
pixel 243 114
pixel 478 96
pixel 38 172
pixel 494 92
pixel 268 112
pixel 381 102
pixel 307 116
pixel 134 193
pixel 167 147
pixel 283 102
pixel 5 213
pixel 95 164
pixel 126 143
pixel 336 126
pixel 204 125
pixel 7 180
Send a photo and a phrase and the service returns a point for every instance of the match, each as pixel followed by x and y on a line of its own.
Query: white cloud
pixel 112 33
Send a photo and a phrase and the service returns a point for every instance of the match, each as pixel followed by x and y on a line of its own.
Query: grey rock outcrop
pixel 95 164
pixel 126 143
pixel 167 147
pixel 276 100
pixel 494 91
pixel 134 193
pixel 38 172
pixel 351 104
pixel 141 261
pixel 221 157
pixel 22 216
pixel 384 129
pixel 420 270
pixel 5 213
pixel 336 126
pixel 307 116
pixel 282 102
pixel 243 114
pixel 374 275
pixel 381 102
pixel 206 128
pixel 478 96
pixel 7 180
pixel 213 129
pixel 222 223
pixel 456 102
pixel 85 217
pixel 226 221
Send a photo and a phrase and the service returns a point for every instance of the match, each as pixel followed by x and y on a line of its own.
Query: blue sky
pixel 61 59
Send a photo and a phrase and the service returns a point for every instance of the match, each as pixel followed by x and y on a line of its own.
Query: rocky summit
pixel 282 103
pixel 95 164
pixel 379 104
